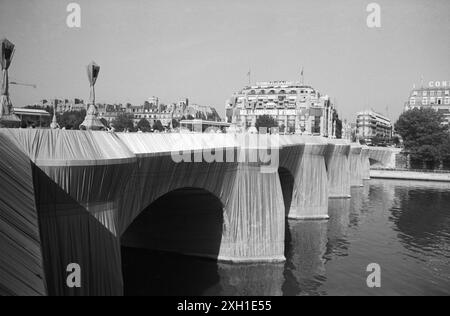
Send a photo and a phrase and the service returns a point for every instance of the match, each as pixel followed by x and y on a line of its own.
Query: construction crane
pixel 23 84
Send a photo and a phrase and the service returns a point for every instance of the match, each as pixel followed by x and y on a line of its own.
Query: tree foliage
pixel 157 126
pixel 175 123
pixel 423 133
pixel 72 119
pixel 144 125
pixel 265 121
pixel 123 122
pixel 338 132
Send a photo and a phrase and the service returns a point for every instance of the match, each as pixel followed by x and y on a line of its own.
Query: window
pixel 432 93
pixel 415 93
pixel 412 101
pixel 447 92
pixel 432 100
pixel 424 93
pixel 447 100
pixel 425 101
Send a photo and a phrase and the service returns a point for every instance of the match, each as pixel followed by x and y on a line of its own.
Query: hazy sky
pixel 203 49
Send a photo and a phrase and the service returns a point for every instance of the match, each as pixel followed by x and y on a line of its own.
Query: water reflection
pixel 249 280
pixel 338 225
pixel 305 250
pixel 403 226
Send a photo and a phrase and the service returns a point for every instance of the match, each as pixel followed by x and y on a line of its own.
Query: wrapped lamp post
pixel 7 117
pixel 54 124
pixel 91 122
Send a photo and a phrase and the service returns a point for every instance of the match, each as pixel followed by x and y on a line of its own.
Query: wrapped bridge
pixel 77 196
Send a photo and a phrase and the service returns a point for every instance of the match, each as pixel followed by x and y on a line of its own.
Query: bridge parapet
pixel 383 156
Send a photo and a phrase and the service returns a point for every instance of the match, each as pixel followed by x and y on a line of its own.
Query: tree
pixel 354 136
pixel 157 126
pixel 123 122
pixel 338 128
pixel 175 123
pixel 265 121
pixel 396 141
pixel 377 140
pixel 423 133
pixel 72 119
pixel 338 132
pixel 144 125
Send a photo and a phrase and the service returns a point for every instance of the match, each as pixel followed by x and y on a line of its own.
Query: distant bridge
pixel 77 197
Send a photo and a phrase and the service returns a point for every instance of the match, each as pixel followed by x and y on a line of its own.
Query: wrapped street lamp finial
pixel 7 117
pixel 91 121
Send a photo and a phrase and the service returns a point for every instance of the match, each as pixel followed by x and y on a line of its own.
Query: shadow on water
pixel 187 221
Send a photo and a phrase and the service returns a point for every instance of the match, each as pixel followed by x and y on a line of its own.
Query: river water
pixel 403 226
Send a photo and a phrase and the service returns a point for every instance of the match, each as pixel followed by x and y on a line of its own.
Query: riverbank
pixel 410 175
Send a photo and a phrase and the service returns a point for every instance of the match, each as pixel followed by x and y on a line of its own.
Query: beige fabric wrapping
pixel 356 171
pixel 365 162
pixel 89 187
pixel 384 157
pixel 247 195
pixel 21 264
pixel 311 189
pixel 338 169
pixel 78 181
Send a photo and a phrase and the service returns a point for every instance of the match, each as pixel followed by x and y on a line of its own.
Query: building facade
pixel 64 105
pixel 153 110
pixel 435 95
pixel 297 108
pixel 370 124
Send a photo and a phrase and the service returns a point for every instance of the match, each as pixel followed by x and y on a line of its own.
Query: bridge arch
pixel 186 220
pixel 164 248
